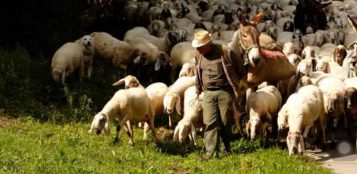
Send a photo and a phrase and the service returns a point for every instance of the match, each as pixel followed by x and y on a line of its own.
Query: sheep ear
pixel 137 59
pixel 178 106
pixel 119 82
pixel 158 64
pixel 176 132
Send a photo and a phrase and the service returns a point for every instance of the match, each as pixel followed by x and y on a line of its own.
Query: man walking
pixel 218 72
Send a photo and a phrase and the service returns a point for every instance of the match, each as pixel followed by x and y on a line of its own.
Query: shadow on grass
pixel 175 148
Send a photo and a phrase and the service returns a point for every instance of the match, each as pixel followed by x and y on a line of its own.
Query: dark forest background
pixel 30 32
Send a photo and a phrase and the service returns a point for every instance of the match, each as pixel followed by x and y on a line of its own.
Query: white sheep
pixel 192 118
pixel 173 97
pixel 302 108
pixel 262 105
pixel 67 59
pixel 188 69
pixel 156 92
pixel 181 53
pixel 334 90
pixel 118 52
pixel 129 81
pixel 127 105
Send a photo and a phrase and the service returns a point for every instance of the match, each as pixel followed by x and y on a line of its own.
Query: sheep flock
pixel 304 111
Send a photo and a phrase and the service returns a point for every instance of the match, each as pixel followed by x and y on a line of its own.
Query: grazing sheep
pixel 132 104
pixel 303 109
pixel 173 97
pixel 67 59
pixel 192 118
pixel 262 105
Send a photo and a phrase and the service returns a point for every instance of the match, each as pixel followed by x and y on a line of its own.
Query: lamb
pixel 262 105
pixel 67 59
pixel 126 105
pixel 172 99
pixel 192 118
pixel 302 109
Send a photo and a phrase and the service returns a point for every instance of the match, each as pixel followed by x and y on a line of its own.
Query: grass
pixel 28 146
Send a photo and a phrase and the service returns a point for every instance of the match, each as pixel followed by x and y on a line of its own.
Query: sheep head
pixel 59 75
pixel 172 101
pixel 129 81
pixel 183 130
pixel 100 122
pixel 295 143
pixel 255 127
pixel 282 118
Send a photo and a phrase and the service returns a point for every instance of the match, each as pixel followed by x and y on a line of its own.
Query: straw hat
pixel 201 38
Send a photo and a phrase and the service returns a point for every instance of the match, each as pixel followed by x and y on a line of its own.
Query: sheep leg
pixel 322 125
pixel 152 127
pixel 301 145
pixel 116 139
pixel 170 120
pixel 129 132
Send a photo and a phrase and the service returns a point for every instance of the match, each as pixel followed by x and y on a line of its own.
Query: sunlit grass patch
pixel 33 147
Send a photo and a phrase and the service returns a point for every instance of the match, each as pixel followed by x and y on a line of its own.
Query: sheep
pixel 181 53
pixel 172 99
pixel 67 59
pixel 132 104
pixel 192 117
pixel 156 92
pixel 129 81
pixel 262 105
pixel 188 69
pixel 156 60
pixel 333 96
pixel 351 98
pixel 118 52
pixel 88 54
pixel 302 108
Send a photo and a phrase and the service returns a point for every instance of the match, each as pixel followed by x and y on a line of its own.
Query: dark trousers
pixel 217 111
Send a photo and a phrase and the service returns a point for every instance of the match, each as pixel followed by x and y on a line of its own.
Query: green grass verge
pixel 28 146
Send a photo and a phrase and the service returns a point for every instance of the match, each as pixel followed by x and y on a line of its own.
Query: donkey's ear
pixel 352 22
pixel 241 17
pixel 258 18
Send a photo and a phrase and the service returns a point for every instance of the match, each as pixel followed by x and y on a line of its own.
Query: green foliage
pixel 27 89
pixel 32 147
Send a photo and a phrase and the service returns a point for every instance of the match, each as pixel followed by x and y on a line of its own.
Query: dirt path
pixel 336 159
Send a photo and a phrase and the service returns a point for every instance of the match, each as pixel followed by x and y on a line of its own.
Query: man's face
pixel 204 49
